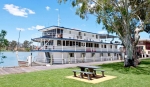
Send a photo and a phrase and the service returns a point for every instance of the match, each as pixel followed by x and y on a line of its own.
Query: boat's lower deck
pixel 65 57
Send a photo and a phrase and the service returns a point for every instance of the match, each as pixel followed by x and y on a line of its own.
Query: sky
pixel 31 15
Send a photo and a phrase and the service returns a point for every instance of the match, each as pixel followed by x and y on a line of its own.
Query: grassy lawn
pixel 126 77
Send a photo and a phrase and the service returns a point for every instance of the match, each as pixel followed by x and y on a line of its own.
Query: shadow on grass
pixel 143 68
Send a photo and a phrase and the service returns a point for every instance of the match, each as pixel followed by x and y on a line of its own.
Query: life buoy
pixel 36 48
pixel 59 35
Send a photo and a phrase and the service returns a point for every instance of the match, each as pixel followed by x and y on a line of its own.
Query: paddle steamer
pixel 61 45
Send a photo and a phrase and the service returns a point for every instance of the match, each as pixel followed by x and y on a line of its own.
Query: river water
pixel 11 59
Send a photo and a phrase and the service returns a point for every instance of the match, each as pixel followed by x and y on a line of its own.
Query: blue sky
pixel 31 15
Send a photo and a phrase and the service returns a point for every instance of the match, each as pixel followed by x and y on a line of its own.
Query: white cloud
pixel 39 27
pixel 18 11
pixel 102 32
pixel 20 29
pixel 36 27
pixel 47 8
pixel 30 11
pixel 31 28
pixel 56 9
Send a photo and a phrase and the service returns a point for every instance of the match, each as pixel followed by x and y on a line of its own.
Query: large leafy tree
pixel 3 43
pixel 13 44
pixel 27 45
pixel 126 18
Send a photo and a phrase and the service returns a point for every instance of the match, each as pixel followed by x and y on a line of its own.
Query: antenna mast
pixel 58 18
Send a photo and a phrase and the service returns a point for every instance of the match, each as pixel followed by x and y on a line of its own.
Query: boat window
pixel 110 46
pixel 101 54
pixel 80 37
pixel 71 54
pixel 92 44
pixel 79 33
pixel 71 43
pixel 108 54
pixel 84 34
pixel 58 42
pixel 114 54
pixel 96 36
pixel 64 43
pixel 82 54
pixel 61 31
pixel 79 44
pixel 67 43
pixel 58 31
pixel 51 42
pixel 104 46
pixel 83 44
pixel 116 46
pixel 87 45
pixel 69 32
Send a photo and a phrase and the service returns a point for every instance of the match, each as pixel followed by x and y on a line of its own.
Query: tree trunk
pixel 128 59
pixel 135 57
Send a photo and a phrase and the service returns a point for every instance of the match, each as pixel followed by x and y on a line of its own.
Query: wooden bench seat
pixel 82 74
pixel 74 71
pixel 88 74
pixel 99 70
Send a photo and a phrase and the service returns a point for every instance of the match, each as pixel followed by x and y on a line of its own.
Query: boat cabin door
pixel 48 57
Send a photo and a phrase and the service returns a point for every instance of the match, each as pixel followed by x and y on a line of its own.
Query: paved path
pixel 16 70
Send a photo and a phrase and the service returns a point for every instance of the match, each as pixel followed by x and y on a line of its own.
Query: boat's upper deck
pixel 62 32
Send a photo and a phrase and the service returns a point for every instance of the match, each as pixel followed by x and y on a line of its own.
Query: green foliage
pixel 13 44
pixel 27 49
pixel 3 43
pixel 116 15
pixel 26 44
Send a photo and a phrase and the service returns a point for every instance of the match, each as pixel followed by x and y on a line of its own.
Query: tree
pixel 3 43
pixel 126 18
pixel 27 44
pixel 13 44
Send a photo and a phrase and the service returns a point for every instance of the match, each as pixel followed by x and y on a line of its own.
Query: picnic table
pixel 88 71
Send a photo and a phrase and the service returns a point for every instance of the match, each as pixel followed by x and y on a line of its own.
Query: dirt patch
pixel 94 80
